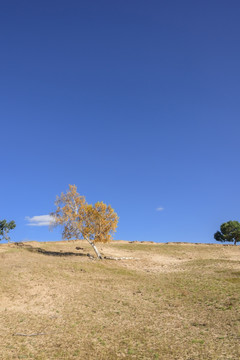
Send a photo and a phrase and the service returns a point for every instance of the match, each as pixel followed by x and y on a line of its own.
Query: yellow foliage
pixel 95 222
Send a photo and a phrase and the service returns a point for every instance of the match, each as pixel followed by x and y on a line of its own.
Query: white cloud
pixel 40 220
pixel 160 208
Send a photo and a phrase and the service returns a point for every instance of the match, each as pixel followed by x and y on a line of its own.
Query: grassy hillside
pixel 172 301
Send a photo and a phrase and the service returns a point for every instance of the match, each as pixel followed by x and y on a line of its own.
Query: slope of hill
pixel 172 301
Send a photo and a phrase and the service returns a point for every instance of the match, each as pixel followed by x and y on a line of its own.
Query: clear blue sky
pixel 135 102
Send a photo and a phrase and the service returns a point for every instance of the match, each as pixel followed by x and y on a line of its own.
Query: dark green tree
pixel 229 232
pixel 5 227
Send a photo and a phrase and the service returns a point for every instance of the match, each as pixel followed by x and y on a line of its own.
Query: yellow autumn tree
pixel 95 223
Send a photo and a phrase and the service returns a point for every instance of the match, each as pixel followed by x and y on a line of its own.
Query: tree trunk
pixel 235 241
pixel 95 249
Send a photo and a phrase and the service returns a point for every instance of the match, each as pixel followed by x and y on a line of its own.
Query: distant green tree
pixel 5 227
pixel 230 232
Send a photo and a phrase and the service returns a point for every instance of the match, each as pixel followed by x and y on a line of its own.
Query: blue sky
pixel 137 103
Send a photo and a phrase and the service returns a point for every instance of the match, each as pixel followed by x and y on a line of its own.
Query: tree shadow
pixel 49 252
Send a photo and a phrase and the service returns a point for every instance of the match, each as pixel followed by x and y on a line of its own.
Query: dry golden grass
pixel 174 301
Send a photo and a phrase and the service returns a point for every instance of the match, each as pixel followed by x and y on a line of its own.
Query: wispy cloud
pixel 160 208
pixel 40 220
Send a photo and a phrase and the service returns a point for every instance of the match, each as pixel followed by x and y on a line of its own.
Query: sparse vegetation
pixel 174 302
